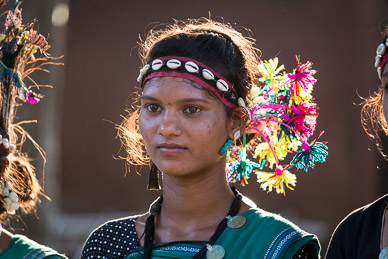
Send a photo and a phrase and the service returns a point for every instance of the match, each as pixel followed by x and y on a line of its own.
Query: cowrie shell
pixel 174 63
pixel 381 49
pixel 207 74
pixel 241 102
pixel 191 67
pixel 222 85
pixel 12 147
pixel 145 69
pixel 5 143
pixel 140 78
pixel 386 42
pixel 157 64
pixel 377 61
pixel 379 72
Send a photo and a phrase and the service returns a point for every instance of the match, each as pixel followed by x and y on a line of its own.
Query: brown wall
pixel 339 37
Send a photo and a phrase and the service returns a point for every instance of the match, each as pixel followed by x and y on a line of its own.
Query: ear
pixel 237 121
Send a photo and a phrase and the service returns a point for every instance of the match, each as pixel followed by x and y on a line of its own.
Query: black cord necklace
pixel 149 229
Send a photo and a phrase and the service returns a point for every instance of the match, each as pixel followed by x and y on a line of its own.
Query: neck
pixel 5 239
pixel 194 204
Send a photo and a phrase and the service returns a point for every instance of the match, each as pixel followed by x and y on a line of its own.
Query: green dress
pixel 22 247
pixel 264 235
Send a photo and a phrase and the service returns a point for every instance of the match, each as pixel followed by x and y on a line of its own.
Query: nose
pixel 170 125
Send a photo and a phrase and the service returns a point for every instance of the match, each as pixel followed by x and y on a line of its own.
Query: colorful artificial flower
pixel 269 71
pixel 283 117
pixel 278 180
pixel 18 44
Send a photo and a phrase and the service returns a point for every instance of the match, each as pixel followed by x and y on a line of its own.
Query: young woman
pixel 19 187
pixel 197 78
pixel 364 232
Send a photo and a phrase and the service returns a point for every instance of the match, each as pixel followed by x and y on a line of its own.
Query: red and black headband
pixel 195 71
pixel 381 57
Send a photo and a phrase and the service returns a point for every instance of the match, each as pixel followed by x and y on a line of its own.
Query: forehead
pixel 174 87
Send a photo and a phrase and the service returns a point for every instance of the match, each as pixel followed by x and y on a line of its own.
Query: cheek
pixel 145 127
pixel 212 134
pixel 142 127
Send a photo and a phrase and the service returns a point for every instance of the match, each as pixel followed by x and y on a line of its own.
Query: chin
pixel 174 171
pixel 178 170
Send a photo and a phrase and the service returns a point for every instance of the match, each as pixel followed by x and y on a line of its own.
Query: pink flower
pixel 31 98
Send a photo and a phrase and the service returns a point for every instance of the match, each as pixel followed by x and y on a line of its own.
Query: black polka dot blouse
pixel 113 239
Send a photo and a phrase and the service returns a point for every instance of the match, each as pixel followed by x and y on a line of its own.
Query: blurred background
pixel 84 177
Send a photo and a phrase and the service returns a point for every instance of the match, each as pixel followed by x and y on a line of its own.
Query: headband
pixel 195 71
pixel 381 59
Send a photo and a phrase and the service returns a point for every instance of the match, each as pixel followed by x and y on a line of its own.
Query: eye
pixel 192 109
pixel 153 108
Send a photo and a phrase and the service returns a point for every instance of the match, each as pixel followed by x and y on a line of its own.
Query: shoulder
pixel 362 225
pixel 285 237
pixel 268 235
pixel 371 208
pixel 23 247
pixel 367 214
pixel 111 239
pixel 271 222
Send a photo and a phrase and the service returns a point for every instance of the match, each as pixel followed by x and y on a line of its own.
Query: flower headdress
pixel 283 117
pixel 18 45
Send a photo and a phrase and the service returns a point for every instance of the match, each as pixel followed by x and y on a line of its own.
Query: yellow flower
pixel 277 181
pixel 269 71
pixel 292 144
pixel 264 152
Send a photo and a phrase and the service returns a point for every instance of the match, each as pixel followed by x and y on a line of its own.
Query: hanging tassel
pixel 307 154
pixel 306 158
pixel 153 178
pixel 239 170
pixel 279 179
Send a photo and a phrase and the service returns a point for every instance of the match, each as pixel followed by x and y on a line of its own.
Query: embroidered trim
pixel 281 241
pixel 273 241
pixel 180 249
pixel 38 253
pixel 184 249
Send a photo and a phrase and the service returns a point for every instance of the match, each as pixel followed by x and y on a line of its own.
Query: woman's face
pixel 384 82
pixel 183 127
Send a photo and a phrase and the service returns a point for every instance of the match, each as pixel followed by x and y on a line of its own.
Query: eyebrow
pixel 147 97
pixel 191 100
pixel 185 100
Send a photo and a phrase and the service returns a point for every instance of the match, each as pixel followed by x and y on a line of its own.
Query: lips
pixel 171 148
